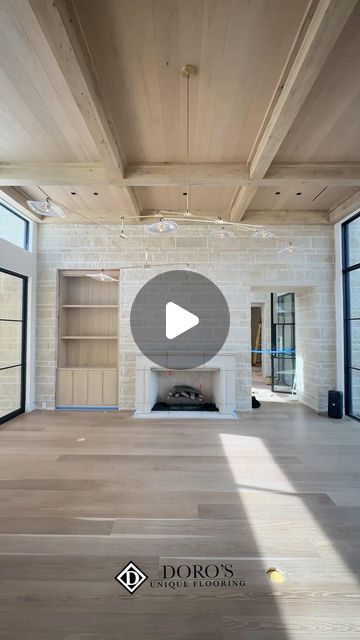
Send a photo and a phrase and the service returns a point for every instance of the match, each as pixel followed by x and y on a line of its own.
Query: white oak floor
pixel 82 493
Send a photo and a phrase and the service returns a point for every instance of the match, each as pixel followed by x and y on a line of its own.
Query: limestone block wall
pixel 238 266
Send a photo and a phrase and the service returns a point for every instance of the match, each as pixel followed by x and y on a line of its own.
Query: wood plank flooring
pixel 84 493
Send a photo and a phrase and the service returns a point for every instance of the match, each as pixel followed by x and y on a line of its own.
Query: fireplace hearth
pixel 164 406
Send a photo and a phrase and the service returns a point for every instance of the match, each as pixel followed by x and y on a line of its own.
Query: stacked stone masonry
pixel 245 269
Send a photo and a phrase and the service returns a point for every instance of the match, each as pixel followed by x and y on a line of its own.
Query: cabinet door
pixel 110 388
pixel 95 388
pixel 80 388
pixel 64 394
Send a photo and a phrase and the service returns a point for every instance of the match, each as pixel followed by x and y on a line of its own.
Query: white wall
pixel 18 260
pixel 238 266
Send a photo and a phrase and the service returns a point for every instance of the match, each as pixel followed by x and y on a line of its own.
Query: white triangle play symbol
pixel 178 320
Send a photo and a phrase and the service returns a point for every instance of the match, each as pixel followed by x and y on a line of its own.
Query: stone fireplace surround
pixel 221 381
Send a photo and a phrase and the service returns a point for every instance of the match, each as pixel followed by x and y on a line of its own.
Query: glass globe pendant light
pixel 46 208
pixel 162 228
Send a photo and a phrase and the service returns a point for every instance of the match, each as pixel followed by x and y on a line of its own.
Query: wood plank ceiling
pixel 93 106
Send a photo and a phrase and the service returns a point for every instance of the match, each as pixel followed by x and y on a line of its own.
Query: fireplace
pixel 186 391
pixel 215 381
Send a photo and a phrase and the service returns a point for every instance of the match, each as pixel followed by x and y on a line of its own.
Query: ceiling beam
pixel 331 174
pixel 174 175
pixel 241 201
pixel 350 205
pixel 322 31
pixel 57 174
pixel 60 29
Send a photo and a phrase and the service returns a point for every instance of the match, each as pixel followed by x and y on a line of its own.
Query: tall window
pixel 351 270
pixel 13 227
pixel 13 298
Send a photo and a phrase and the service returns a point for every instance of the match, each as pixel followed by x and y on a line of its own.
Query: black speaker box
pixel 335 404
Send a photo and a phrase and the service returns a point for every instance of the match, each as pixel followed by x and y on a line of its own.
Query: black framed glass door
pixel 351 271
pixel 283 357
pixel 13 305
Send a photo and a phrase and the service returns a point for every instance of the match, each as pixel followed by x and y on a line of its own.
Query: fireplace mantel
pixel 223 365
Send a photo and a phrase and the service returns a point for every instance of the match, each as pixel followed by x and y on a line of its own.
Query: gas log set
pixel 182 397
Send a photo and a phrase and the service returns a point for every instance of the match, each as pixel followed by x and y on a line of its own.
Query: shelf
pixel 89 306
pixel 88 337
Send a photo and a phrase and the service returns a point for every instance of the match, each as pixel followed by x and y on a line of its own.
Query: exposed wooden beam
pixel 322 31
pixel 286 217
pixel 63 36
pixel 241 201
pixel 52 174
pixel 340 174
pixel 350 205
pixel 174 175
pixel 331 174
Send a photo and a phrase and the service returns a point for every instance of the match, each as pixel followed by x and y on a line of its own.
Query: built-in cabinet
pixel 87 374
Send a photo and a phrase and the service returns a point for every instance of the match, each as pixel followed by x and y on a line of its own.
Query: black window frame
pixel 26 245
pixel 23 363
pixel 275 325
pixel 346 270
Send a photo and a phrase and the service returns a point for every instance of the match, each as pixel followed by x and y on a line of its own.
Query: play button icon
pixel 179 319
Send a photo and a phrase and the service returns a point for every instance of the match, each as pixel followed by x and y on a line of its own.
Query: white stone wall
pixel 237 266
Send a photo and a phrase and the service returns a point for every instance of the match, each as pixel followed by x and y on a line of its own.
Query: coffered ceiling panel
pixel 328 125
pixel 202 199
pixel 138 49
pixel 299 197
pixel 39 117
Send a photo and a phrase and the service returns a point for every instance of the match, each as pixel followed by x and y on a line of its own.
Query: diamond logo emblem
pixel 131 577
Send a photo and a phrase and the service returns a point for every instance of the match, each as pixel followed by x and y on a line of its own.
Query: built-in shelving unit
pixel 87 372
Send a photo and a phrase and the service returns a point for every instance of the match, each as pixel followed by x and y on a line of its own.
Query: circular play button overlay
pixel 180 320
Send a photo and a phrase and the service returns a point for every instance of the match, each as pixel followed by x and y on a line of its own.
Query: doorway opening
pixel 273 357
